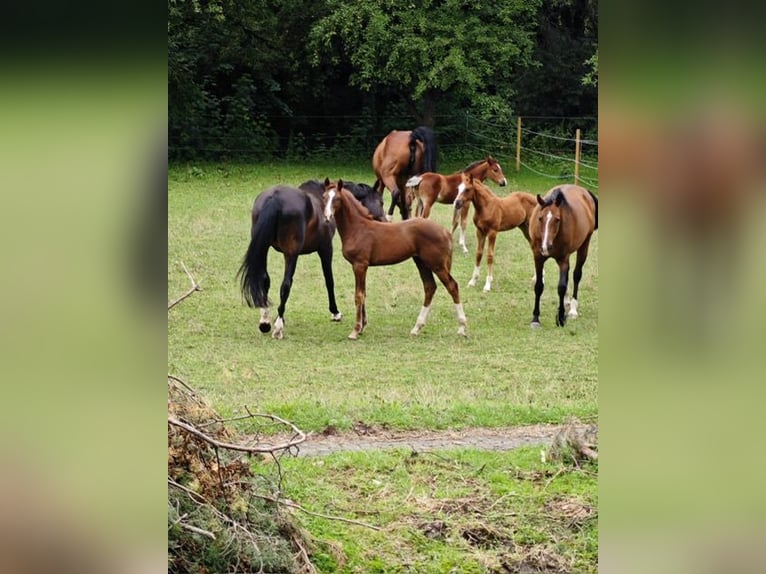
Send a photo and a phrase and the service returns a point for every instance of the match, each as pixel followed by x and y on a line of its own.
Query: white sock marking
pixel 475 276
pixel 573 307
pixel 488 283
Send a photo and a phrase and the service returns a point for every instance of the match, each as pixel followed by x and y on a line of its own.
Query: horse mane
pixel 361 209
pixel 595 201
pixel 472 165
pixel 554 195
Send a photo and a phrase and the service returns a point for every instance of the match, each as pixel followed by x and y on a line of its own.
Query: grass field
pixel 460 511
pixel 504 373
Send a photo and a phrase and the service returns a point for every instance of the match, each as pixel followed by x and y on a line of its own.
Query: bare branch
pixel 191 528
pixel 298 437
pixel 291 504
pixel 194 287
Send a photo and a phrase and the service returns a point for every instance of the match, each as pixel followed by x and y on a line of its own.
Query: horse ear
pixel 340 184
pixel 326 181
pixel 559 199
pixel 540 200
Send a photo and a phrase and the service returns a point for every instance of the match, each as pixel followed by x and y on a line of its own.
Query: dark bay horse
pixel 492 214
pixel 367 242
pixel 429 188
pixel 400 155
pixel 290 220
pixel 562 222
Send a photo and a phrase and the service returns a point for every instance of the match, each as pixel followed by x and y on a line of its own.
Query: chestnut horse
pixel 367 242
pixel 429 188
pixel 400 155
pixel 561 223
pixel 290 220
pixel 492 214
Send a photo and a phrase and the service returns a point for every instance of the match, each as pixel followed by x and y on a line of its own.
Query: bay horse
pixel 562 222
pixel 492 214
pixel 400 155
pixel 367 242
pixel 429 188
pixel 291 221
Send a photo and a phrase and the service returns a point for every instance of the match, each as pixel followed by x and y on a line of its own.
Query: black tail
pixel 595 201
pixel 426 135
pixel 253 274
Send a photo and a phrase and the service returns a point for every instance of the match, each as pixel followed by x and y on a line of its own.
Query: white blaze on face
pixel 460 190
pixel 328 207
pixel 545 233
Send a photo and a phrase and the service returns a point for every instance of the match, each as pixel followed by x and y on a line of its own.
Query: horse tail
pixel 595 202
pixel 252 272
pixel 427 136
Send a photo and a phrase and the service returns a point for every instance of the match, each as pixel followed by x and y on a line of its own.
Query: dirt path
pixel 366 438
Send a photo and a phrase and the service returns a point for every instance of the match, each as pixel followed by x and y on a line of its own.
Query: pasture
pixel 503 374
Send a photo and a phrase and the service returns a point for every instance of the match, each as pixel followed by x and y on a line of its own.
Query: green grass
pixel 462 511
pixel 504 373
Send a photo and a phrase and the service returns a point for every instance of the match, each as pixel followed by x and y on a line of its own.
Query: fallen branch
pixel 291 504
pixel 194 287
pixel 299 436
pixel 196 530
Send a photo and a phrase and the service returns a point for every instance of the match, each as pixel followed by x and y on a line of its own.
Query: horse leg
pixel 480 239
pixel 539 261
pixel 582 255
pixel 390 183
pixel 291 262
pixel 452 287
pixel 463 224
pixel 360 275
pixel 325 256
pixel 264 326
pixel 429 286
pixel 561 317
pixel 490 260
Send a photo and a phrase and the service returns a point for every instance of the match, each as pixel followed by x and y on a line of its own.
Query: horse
pixel 562 222
pixel 429 188
pixel 398 156
pixel 492 214
pixel 291 221
pixel 367 242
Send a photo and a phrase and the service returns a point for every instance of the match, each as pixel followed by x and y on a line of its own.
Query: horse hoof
pixel 264 327
pixel 486 289
pixel 278 335
pixel 353 336
pixel 461 331
pixel 472 283
pixel 560 321
pixel 337 317
pixel 535 324
pixel 415 331
pixel 389 218
pixel 573 314
pixel 465 250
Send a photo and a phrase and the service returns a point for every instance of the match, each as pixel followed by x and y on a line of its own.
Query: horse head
pixel 464 190
pixel 331 197
pixel 495 172
pixel 549 219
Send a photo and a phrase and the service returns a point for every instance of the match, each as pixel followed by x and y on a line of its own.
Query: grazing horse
pixel 400 155
pixel 290 220
pixel 492 214
pixel 367 242
pixel 429 188
pixel 562 222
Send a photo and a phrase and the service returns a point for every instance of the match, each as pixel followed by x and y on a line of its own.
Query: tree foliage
pixel 269 78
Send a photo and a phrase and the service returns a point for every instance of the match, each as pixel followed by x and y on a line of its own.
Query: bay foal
pixel 561 223
pixel 367 242
pixel 493 214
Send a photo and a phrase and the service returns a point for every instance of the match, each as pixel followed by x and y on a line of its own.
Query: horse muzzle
pixel 504 182
pixel 458 204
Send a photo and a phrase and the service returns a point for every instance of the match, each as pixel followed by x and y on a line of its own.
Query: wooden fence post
pixel 518 143
pixel 577 157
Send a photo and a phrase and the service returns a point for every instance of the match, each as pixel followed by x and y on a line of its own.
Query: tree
pixel 421 51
